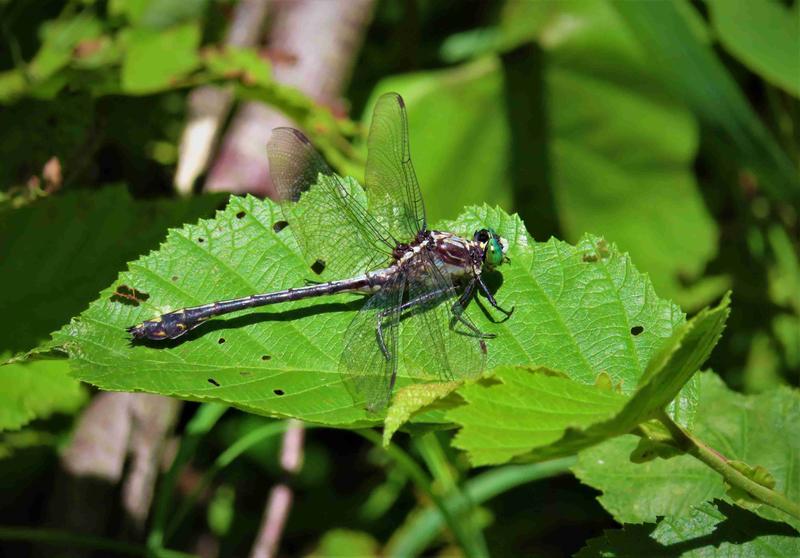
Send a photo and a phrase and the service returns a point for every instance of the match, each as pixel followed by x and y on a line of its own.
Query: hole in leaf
pixel 221 340
pixel 240 214
pixel 265 357
pixel 279 226
pixel 636 330
pixel 128 295
pixel 318 266
pixel 213 382
pixel 278 391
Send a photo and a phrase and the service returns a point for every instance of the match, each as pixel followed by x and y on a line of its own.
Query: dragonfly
pixel 418 281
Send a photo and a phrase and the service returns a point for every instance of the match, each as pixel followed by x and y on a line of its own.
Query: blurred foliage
pixel 671 129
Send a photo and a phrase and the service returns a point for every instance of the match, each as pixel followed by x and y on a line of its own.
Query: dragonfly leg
pixel 433 295
pixel 460 306
pixel 379 332
pixel 490 297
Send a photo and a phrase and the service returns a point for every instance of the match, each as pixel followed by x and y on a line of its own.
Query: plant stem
pixel 697 448
pixel 74 540
pixel 421 480
pixel 413 537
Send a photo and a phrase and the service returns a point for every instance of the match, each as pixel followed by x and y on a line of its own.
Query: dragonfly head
pixel 493 246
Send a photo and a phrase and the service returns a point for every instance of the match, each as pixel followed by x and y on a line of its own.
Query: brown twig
pixel 313 47
pixel 281 496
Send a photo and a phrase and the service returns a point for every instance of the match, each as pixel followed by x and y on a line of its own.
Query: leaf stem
pixel 697 448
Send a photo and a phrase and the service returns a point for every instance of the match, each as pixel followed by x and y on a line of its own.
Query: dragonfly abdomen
pixel 174 324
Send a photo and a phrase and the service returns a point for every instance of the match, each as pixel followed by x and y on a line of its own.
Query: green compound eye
pixel 495 255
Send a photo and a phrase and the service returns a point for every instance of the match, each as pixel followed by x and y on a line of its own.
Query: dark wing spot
pixel 590 258
pixel 174 277
pixel 221 340
pixel 240 215
pixel 128 295
pixel 265 357
pixel 213 382
pixel 278 391
pixel 318 266
pixel 279 226
pixel 201 240
pixel 300 136
pixel 244 373
pixel 636 330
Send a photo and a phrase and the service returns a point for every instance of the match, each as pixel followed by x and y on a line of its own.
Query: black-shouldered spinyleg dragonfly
pixel 419 281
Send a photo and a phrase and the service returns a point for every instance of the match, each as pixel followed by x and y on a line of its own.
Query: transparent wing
pixel 437 345
pixel 334 225
pixel 369 359
pixel 392 185
pixel 418 327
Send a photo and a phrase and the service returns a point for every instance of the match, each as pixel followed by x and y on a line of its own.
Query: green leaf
pixel 87 236
pixel 221 510
pixel 59 38
pixel 409 400
pixel 621 151
pixel 503 421
pixel 758 430
pixel 526 409
pixel 146 69
pixel 346 542
pixel 244 62
pixel 575 310
pixel 709 531
pixel 693 72
pixel 641 492
pixel 762 35
pixel 37 390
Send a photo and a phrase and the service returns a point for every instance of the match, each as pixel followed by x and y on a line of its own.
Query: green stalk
pixel 443 474
pixel 90 542
pixel 421 480
pixel 697 448
pixel 415 536
pixel 224 459
pixel 202 422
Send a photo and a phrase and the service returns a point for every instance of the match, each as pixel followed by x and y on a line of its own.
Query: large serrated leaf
pixel 709 531
pixel 575 310
pixel 520 407
pixel 759 430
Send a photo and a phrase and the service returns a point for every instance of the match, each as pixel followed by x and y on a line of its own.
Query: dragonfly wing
pixel 438 346
pixel 369 360
pixel 334 226
pixel 392 185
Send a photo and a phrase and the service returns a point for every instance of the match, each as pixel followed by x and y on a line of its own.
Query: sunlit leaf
pixel 37 390
pixel 146 69
pixel 575 307
pixel 527 416
pixel 708 531
pixel 756 430
pixel 763 35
